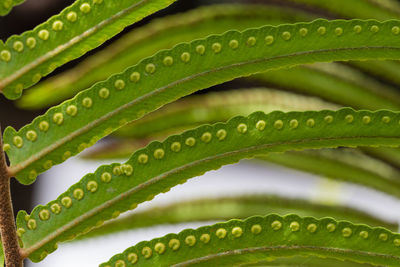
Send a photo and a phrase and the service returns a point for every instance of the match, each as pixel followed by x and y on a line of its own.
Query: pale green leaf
pixel 84 25
pixel 260 238
pixel 162 33
pixel 188 67
pixel 116 188
pixel 239 207
pixel 7 5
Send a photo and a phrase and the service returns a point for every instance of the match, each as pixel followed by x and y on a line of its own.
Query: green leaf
pixel 260 238
pixel 215 107
pixel 239 207
pixel 308 261
pixel 195 66
pixel 390 155
pixel 7 5
pixel 345 165
pixel 357 90
pixel 115 188
pixel 363 9
pixel 159 34
pixel 84 25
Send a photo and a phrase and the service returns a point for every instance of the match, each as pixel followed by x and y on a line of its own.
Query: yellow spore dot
pixel 237 231
pixel 185 57
pixel 216 47
pixel 168 61
pixel 303 32
pixel 119 84
pixel 31 135
pixel 206 137
pixel 135 77
pixel 44 126
pixel 278 124
pixel 200 49
pixel 55 208
pixel 349 118
pixel 127 169
pixel 120 263
pixel 190 240
pixel 190 141
pixel 72 110
pixel 312 227
pixel 92 186
pixel 104 93
pixel 5 55
pixel 174 244
pixel 85 8
pixel 31 224
pixel 205 238
pixel 43 34
pixel 57 25
pixel 251 41
pixel 18 141
pixel 58 118
pixel 364 234
pixel 105 177
pixel 286 36
pixel 159 248
pixel 31 42
pixel 87 102
pixel 269 40
pixel 276 225
pixel 72 16
pixel 176 146
pixel 159 153
pixel 310 123
pixel 260 125
pixel 132 258
pixel 331 227
pixel 220 233
pixel 44 215
pixel 294 226
pixel 321 30
pixel 256 229
pixel 221 134
pixel 147 252
pixel 18 46
pixel 346 232
pixel 242 128
pixel 150 68
pixel 234 44
pixel 78 194
pixel 48 164
pixel 143 158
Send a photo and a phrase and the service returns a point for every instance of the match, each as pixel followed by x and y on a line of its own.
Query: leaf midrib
pixel 14 170
pixel 288 248
pixel 60 48
pixel 25 252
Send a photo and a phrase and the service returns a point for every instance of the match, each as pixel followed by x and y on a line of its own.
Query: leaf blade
pixel 158 167
pixel 66 36
pixel 257 238
pixel 197 70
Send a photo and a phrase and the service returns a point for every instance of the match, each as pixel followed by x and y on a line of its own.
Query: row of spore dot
pixel 150 68
pixel 78 194
pixel 85 8
pixel 159 153
pixel 44 34
pixel 237 232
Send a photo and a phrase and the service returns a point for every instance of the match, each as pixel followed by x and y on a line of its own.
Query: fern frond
pixel 84 25
pixel 78 123
pixel 259 238
pixel 240 207
pixel 115 188
pixel 7 5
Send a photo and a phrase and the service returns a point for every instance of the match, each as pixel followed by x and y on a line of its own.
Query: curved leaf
pixel 259 238
pixel 240 207
pixel 217 107
pixel 7 5
pixel 84 25
pixel 308 261
pixel 390 155
pixel 364 9
pixel 344 165
pixel 70 127
pixel 357 90
pixel 162 33
pixel 116 188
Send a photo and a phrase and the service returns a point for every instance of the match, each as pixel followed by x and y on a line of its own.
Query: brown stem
pixel 7 222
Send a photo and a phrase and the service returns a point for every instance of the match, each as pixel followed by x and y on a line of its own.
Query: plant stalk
pixel 7 223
